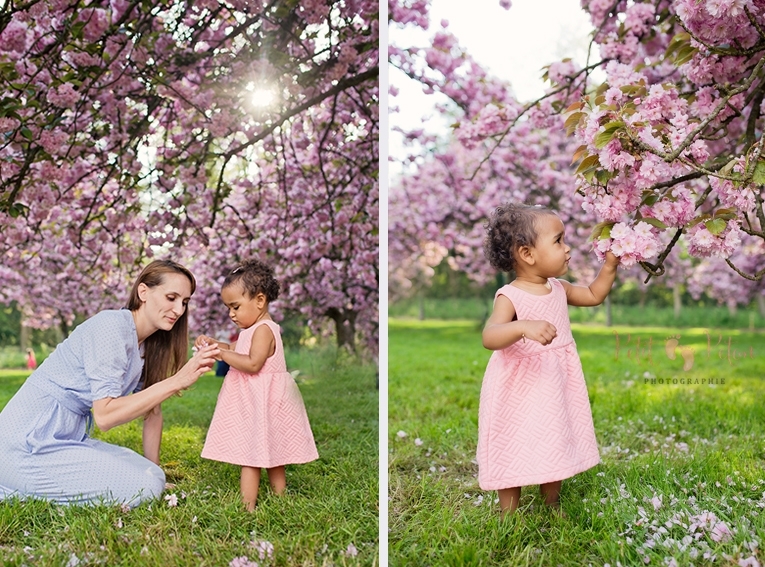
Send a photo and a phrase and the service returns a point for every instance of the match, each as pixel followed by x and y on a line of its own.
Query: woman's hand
pixel 202 361
pixel 541 331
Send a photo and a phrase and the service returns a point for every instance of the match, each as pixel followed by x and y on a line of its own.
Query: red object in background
pixel 31 360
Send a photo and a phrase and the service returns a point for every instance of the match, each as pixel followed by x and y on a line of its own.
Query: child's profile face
pixel 551 253
pixel 243 309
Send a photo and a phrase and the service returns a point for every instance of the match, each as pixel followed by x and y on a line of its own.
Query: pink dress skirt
pixel 260 420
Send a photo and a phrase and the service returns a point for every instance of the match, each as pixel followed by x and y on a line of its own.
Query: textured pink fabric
pixel 260 419
pixel 534 419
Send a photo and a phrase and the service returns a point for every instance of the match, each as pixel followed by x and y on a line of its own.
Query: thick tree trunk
pixel 761 305
pixel 345 327
pixel 732 308
pixel 421 306
pixel 677 299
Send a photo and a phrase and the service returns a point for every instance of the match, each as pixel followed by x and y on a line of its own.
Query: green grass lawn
pixel 330 504
pixel 682 453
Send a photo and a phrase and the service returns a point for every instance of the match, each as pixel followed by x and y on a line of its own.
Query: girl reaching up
pixel 534 421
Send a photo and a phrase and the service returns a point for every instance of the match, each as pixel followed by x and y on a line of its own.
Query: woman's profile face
pixel 164 304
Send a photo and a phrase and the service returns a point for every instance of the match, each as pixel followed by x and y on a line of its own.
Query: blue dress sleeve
pixel 105 358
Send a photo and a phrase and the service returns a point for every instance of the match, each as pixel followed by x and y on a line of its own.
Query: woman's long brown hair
pixel 165 352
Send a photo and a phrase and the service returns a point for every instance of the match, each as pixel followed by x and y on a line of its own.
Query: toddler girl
pixel 260 420
pixel 534 420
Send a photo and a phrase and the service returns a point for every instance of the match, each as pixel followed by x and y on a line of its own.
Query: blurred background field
pixel 452 295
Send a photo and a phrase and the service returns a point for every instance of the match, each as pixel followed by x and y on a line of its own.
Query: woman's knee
pixel 146 484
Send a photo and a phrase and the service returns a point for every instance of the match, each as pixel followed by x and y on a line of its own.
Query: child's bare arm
pixel 263 345
pixel 501 331
pixel 596 292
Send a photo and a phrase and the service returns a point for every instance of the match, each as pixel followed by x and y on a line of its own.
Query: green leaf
pixel 678 41
pixel 604 176
pixel 727 214
pixel 699 219
pixel 654 222
pixel 575 106
pixel 602 139
pixel 587 163
pixel 76 29
pixel 758 177
pixel 27 133
pixel 16 210
pixel 573 121
pixel 649 198
pixel 580 152
pixel 685 54
pixel 614 125
pixel 599 230
pixel 715 226
pixel 728 167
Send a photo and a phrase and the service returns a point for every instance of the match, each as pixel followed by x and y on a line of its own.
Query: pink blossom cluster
pixel 490 121
pixel 704 244
pixel 129 133
pixel 676 208
pixel 14 38
pixel 709 523
pixel 560 71
pixel 264 548
pixel 612 205
pixel 631 244
pixel 658 130
pixel 733 195
pixel 712 277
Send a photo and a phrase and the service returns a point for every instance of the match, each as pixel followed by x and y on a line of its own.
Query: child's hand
pixel 203 341
pixel 611 259
pixel 540 331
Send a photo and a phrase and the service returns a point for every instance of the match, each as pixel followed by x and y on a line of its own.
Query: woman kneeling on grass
pixel 45 447
pixel 534 418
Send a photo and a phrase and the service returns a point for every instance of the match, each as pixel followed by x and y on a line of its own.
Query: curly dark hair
pixel 509 227
pixel 255 277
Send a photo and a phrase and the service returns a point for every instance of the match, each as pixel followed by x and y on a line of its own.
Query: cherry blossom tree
pixel 438 207
pixel 667 150
pixel 206 131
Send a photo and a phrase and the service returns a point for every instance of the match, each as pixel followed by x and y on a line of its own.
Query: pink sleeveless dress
pixel 534 418
pixel 260 420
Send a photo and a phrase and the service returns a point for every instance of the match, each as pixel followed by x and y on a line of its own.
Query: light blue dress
pixel 45 449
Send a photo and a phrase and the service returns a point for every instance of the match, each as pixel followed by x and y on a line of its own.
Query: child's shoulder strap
pixel 275 330
pixel 507 290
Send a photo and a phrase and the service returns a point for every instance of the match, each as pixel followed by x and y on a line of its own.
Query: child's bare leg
pixel 278 479
pixel 508 499
pixel 249 484
pixel 551 493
